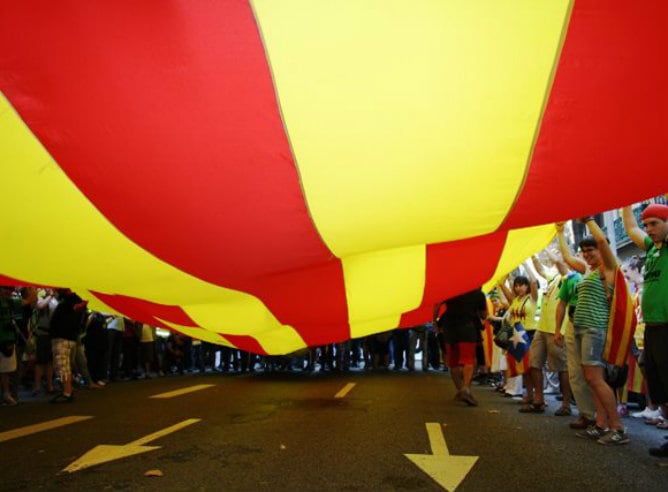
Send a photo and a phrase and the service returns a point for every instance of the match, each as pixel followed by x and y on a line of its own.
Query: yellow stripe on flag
pixel 66 241
pixel 520 245
pixel 383 282
pixel 399 112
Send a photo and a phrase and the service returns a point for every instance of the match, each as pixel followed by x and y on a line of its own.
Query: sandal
pixel 655 421
pixel 563 412
pixel 533 408
pixel 662 425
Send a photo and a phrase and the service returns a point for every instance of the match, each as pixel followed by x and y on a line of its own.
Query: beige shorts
pixel 62 350
pixel 544 349
pixel 8 364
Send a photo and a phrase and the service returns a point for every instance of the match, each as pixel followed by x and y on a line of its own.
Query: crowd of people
pixel 582 330
pixel 54 342
pixel 50 341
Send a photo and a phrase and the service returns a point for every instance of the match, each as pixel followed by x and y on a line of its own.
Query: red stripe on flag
pixel 172 112
pixel 606 111
pixel 5 280
pixel 622 324
pixel 147 312
pixel 454 268
pixel 245 342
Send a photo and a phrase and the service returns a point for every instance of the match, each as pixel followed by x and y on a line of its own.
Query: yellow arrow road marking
pixel 43 426
pixel 344 391
pixel 105 452
pixel 446 470
pixel 436 438
pixel 183 391
pixel 163 432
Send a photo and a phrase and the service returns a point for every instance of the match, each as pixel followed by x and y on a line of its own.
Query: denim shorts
pixel 589 343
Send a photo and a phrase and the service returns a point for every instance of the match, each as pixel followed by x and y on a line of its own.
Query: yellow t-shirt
pixel 523 310
pixel 548 307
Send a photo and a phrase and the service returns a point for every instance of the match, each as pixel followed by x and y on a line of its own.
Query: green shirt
pixel 8 312
pixel 655 286
pixel 567 289
pixel 593 310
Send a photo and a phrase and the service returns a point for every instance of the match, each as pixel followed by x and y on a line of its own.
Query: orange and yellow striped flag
pixel 488 336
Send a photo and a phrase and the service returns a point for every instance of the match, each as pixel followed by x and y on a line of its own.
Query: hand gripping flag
pixel 622 323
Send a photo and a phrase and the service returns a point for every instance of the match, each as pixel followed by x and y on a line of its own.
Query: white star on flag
pixel 518 337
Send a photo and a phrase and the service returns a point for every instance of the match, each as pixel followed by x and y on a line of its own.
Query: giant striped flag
pixel 272 175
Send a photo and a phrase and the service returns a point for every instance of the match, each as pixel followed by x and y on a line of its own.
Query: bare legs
pixel 606 405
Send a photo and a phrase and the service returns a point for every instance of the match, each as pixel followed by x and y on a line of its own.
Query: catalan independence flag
pixel 488 336
pixel 261 174
pixel 622 324
pixel 517 368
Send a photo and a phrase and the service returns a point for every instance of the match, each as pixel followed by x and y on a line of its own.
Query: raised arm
pixel 555 258
pixel 538 266
pixel 632 228
pixel 532 280
pixel 571 260
pixel 607 255
pixel 508 294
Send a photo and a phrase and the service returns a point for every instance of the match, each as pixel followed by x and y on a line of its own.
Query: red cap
pixel 655 210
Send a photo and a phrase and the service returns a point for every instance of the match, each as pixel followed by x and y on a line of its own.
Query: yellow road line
pixel 163 432
pixel 44 426
pixel 182 391
pixel 344 391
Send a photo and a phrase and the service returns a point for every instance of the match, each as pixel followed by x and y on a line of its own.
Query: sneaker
pixel 614 437
pixel 647 413
pixel 592 432
pixel 660 452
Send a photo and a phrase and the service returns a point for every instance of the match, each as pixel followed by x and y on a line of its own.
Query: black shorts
pixel 468 333
pixel 43 352
pixel 656 362
pixel 147 352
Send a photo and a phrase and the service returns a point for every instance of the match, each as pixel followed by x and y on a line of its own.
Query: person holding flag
pixel 522 317
pixel 543 347
pixel 654 302
pixel 595 296
pixel 584 398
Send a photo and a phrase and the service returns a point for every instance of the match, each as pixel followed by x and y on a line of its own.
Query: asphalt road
pixel 289 432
